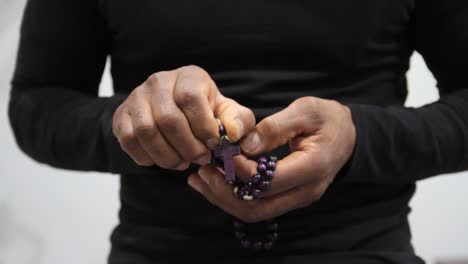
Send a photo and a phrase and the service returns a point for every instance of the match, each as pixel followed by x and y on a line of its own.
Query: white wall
pixel 55 216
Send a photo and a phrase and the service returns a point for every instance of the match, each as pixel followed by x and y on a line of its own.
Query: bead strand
pixel 257 242
pixel 258 184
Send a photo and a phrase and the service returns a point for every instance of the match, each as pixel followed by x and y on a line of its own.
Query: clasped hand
pixel 169 121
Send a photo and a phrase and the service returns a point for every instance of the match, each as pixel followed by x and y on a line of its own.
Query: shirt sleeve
pixel 402 145
pixel 56 115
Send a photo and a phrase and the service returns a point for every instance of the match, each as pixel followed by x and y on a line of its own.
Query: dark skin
pixel 169 121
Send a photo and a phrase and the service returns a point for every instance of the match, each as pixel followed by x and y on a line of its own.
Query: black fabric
pixel 263 54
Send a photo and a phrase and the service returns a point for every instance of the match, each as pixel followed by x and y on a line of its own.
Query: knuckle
pixel 187 97
pixel 144 129
pixel 116 122
pixel 126 136
pixel 249 118
pixel 128 141
pixel 204 132
pixel 194 70
pixel 118 112
pixel 309 106
pixel 168 122
pixel 132 99
pixel 154 79
pixel 143 126
pixel 158 79
pixel 271 125
pixel 308 101
pixel 135 96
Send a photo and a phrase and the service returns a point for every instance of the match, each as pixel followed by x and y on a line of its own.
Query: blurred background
pixel 55 216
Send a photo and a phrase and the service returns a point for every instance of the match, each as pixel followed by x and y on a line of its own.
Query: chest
pixel 331 32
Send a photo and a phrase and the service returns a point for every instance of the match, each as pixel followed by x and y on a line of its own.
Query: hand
pixel 321 135
pixel 169 119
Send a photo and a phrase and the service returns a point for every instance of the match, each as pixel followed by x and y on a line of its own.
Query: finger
pixel 123 130
pixel 193 92
pixel 289 173
pixel 244 167
pixel 280 204
pixel 174 126
pixel 222 191
pixel 297 169
pixel 150 138
pixel 237 119
pixel 210 183
pixel 277 129
pixel 259 210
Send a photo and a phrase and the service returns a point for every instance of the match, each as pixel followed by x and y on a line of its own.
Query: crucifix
pixel 224 155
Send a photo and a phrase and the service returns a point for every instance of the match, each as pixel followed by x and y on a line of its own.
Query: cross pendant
pixel 226 152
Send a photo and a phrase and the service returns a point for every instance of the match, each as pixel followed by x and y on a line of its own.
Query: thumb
pixel 276 130
pixel 237 119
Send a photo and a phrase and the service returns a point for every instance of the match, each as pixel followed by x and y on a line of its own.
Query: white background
pixel 54 216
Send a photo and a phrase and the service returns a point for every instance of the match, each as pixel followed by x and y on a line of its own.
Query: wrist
pixel 350 129
pixel 342 128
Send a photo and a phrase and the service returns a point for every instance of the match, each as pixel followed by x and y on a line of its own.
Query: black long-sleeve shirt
pixel 264 54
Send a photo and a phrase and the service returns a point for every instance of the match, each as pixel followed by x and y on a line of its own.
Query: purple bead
pixel 245 243
pixel 265 186
pixel 273 158
pixel 273 227
pixel 222 130
pixel 268 245
pixel 271 165
pixel 262 160
pixel 269 174
pixel 257 245
pixel 240 235
pixel 241 193
pixel 261 168
pixel 256 179
pixel 273 236
pixel 247 189
pixel 256 193
pixel 249 185
pixel 238 225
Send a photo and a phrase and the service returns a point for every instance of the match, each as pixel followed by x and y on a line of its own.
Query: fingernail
pixel 203 160
pixel 191 182
pixel 240 128
pixel 183 166
pixel 212 143
pixel 251 142
pixel 204 175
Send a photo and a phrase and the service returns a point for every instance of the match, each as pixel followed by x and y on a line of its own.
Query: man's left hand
pixel 321 135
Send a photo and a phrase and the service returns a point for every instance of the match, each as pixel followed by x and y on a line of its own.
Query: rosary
pixel 259 236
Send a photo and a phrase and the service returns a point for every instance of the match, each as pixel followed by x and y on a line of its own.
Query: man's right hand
pixel 169 119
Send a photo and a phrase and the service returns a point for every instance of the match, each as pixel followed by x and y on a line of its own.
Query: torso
pixel 263 54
